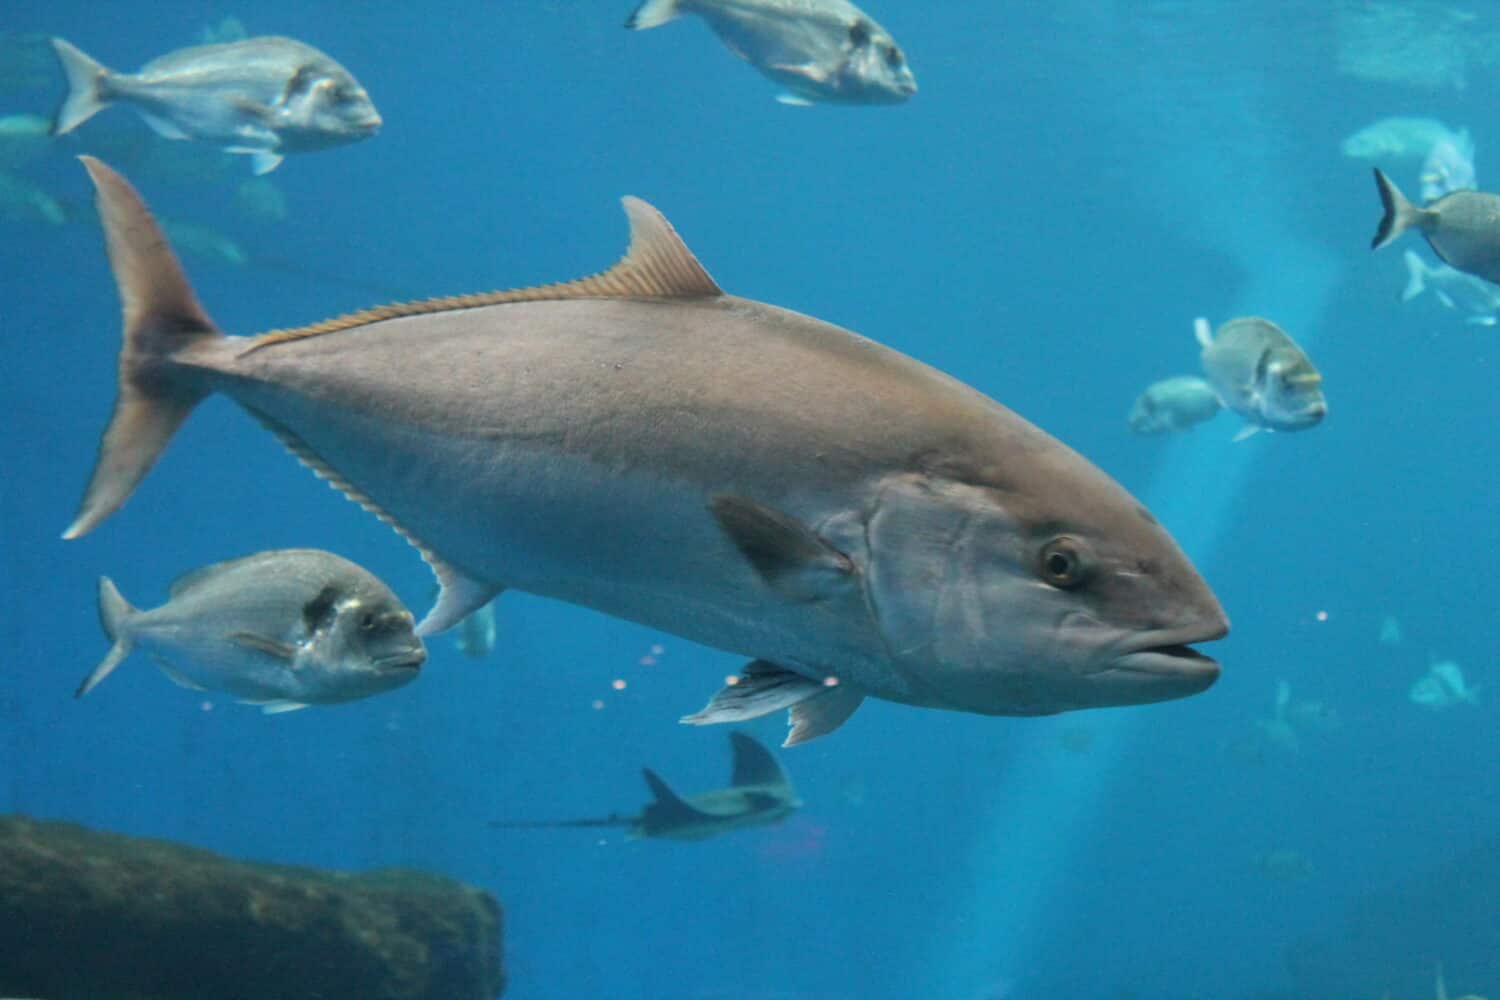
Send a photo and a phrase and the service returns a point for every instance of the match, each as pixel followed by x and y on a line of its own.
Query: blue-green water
pixel 1069 188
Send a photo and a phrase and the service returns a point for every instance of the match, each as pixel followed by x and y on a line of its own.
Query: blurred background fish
pixel 1477 299
pixel 1399 138
pixel 1174 404
pixel 1443 686
pixel 1449 167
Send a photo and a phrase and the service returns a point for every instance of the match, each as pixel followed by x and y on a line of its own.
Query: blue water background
pixel 1071 187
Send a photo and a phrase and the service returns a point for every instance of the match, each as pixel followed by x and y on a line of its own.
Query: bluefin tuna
pixel 819 50
pixel 1463 228
pixel 1260 373
pixel 641 443
pixel 265 97
pixel 283 630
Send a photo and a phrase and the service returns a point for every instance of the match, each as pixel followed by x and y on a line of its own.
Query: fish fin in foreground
pixel 278 707
pixel 787 554
pixel 1247 432
pixel 657 265
pixel 822 714
pixel 760 689
pixel 753 763
pixel 793 100
pixel 84 77
pixel 114 610
pixel 263 161
pixel 1400 214
pixel 654 14
pixel 161 317
pixel 459 594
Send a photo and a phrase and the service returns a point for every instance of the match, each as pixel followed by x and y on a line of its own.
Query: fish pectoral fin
pixel 793 100
pixel 164 127
pixel 254 110
pixel 808 71
pixel 263 644
pixel 279 706
pixel 787 554
pixel 763 801
pixel 263 161
pixel 822 714
pixel 176 676
pixel 760 689
pixel 1247 432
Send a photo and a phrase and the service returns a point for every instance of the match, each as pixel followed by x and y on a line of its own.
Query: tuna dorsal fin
pixel 658 265
pixel 753 763
pixel 459 594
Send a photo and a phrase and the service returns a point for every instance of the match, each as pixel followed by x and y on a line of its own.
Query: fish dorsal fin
pixel 667 808
pixel 658 265
pixel 459 594
pixel 753 763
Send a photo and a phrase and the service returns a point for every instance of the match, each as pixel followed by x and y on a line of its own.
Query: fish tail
pixel 114 611
pixel 654 14
pixel 85 77
pixel 162 320
pixel 1400 214
pixel 1416 277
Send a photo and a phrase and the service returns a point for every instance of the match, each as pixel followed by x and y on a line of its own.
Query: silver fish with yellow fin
pixel 1260 373
pixel 283 629
pixel 641 443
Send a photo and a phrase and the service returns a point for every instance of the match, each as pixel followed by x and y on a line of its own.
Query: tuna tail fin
pixel 654 14
pixel 84 100
pixel 114 611
pixel 1416 277
pixel 1400 214
pixel 162 317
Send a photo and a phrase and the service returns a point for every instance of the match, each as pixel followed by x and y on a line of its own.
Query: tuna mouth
pixel 402 661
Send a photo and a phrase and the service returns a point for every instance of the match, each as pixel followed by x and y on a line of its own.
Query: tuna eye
pixel 1062 563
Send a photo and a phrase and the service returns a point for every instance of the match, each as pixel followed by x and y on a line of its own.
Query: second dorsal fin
pixel 657 265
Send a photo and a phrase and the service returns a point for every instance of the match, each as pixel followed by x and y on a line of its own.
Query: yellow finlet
pixel 658 265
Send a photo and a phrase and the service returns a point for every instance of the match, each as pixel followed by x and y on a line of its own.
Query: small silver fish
pixel 820 50
pixel 1443 686
pixel 1449 167
pixel 1260 373
pixel 265 97
pixel 1462 228
pixel 282 629
pixel 1475 297
pixel 1174 404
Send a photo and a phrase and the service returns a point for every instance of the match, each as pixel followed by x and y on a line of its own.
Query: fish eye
pixel 859 34
pixel 893 57
pixel 367 621
pixel 1063 563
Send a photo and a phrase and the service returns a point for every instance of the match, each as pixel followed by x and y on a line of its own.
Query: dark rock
pixel 87 915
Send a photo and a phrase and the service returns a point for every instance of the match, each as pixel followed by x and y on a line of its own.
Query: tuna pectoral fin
pixel 84 77
pixel 113 612
pixel 786 553
pixel 1400 214
pixel 822 714
pixel 653 14
pixel 162 319
pixel 760 689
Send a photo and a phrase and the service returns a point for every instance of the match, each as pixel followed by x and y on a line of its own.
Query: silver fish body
pixel 820 50
pixel 266 97
pixel 747 477
pixel 1463 228
pixel 1478 299
pixel 282 629
pixel 1259 372
pixel 1174 404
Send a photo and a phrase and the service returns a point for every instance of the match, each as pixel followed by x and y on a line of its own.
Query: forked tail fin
pixel 162 317
pixel 84 78
pixel 114 610
pixel 1400 214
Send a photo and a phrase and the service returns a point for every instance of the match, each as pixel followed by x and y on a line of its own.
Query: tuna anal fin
pixel 822 714
pixel 762 688
pixel 263 644
pixel 786 553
